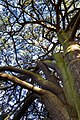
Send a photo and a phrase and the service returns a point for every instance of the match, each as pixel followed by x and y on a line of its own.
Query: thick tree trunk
pixel 71 71
pixel 72 58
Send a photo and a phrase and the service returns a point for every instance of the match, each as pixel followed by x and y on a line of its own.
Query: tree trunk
pixel 70 68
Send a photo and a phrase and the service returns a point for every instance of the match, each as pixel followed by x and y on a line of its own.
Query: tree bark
pixel 56 109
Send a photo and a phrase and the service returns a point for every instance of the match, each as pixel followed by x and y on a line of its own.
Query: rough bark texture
pixel 56 109
pixel 72 58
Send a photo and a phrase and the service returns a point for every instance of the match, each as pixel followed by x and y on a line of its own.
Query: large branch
pixel 58 110
pixel 54 106
pixel 48 75
pixel 43 23
pixel 52 65
pixel 24 107
pixel 22 83
pixel 73 20
pixel 43 65
pixel 44 83
pixel 73 26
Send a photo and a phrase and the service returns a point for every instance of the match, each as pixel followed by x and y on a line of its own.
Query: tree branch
pixel 25 106
pixel 56 109
pixel 22 83
pixel 47 73
pixel 37 78
pixel 75 26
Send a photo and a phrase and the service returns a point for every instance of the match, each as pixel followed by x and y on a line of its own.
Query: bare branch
pixel 37 78
pixel 22 83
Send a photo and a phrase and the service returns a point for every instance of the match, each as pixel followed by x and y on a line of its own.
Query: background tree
pixel 40 59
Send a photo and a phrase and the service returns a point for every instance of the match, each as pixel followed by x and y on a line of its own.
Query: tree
pixel 40 59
